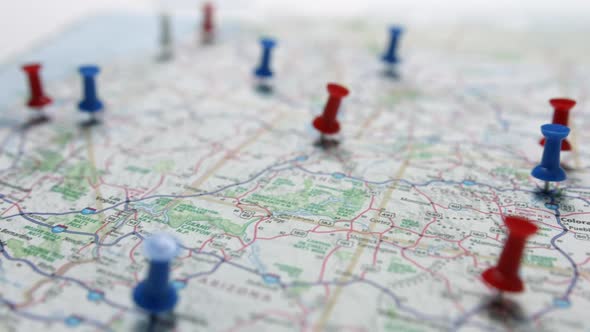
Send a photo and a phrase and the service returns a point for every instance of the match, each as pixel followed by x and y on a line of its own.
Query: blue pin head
pixel 268 42
pixel 395 30
pixel 550 169
pixel 555 131
pixel 89 70
pixel 161 247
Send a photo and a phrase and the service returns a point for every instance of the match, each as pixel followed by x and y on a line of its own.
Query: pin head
pixel 325 126
pixel 268 42
pixel 395 30
pixel 337 90
pixel 32 67
pixel 161 247
pixel 502 282
pixel 89 70
pixel 548 174
pixel 562 103
pixel 555 131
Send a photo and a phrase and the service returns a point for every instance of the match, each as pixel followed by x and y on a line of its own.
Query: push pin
pixel 156 294
pixel 38 99
pixel 327 124
pixel 90 103
pixel 165 38
pixel 561 113
pixel 263 71
pixel 207 36
pixel 390 57
pixel 504 276
pixel 550 170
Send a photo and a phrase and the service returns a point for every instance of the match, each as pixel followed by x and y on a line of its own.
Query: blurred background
pixel 27 22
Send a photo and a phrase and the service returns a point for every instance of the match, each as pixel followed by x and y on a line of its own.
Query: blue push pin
pixel 550 169
pixel 263 71
pixel 156 294
pixel 90 104
pixel 390 56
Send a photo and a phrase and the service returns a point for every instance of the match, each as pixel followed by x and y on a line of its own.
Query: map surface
pixel 390 231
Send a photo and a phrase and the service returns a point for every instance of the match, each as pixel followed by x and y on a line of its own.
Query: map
pixel 389 231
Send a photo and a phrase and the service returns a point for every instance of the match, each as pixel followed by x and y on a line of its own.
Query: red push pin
pixel 504 276
pixel 207 23
pixel 38 99
pixel 561 113
pixel 327 124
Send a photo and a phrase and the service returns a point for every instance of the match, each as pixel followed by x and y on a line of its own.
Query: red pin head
pixel 327 122
pixel 37 99
pixel 207 22
pixel 562 104
pixel 504 276
pixel 561 112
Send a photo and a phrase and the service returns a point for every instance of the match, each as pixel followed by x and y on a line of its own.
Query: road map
pixel 389 231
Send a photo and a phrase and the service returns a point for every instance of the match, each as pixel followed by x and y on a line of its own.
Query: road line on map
pixel 221 163
pixel 92 160
pixel 385 238
pixel 360 249
pixel 60 272
pixel 367 123
pixel 90 149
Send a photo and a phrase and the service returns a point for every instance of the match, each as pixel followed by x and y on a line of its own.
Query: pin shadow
pixel 156 323
pixel 35 120
pixel 90 122
pixel 391 73
pixel 504 311
pixel 326 143
pixel 264 88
